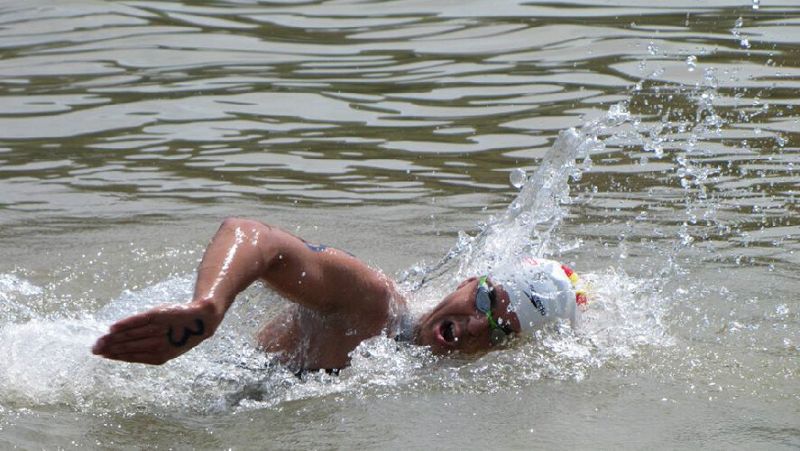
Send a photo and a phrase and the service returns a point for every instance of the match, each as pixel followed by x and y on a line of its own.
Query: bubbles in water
pixel 517 178
pixel 691 63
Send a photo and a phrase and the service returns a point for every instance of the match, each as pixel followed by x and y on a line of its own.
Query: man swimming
pixel 342 302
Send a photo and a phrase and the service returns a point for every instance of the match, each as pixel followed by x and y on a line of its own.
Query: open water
pixel 652 146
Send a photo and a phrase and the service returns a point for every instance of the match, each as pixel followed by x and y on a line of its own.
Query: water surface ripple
pixel 357 102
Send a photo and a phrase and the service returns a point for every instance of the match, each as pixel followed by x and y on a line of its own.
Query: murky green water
pixel 128 130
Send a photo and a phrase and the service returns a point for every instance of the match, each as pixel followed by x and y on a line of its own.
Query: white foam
pixel 13 292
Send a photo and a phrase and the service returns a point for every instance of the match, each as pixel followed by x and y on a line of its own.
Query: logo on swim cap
pixel 536 301
pixel 540 292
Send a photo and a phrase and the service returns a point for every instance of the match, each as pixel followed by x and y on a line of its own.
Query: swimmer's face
pixel 455 324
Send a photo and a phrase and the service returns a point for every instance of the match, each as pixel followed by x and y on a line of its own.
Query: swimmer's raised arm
pixel 241 252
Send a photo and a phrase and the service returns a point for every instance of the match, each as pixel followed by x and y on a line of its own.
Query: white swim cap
pixel 541 291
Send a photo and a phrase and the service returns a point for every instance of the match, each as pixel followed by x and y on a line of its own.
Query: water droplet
pixel 517 177
pixel 709 75
pixel 691 62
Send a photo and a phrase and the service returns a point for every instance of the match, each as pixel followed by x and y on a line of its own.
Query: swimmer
pixel 342 302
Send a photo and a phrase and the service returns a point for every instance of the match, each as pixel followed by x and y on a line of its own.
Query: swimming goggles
pixel 484 299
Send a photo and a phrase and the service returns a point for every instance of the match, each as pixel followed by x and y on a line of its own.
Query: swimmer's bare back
pixel 349 300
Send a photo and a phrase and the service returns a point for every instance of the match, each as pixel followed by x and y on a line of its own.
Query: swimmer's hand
pixel 158 335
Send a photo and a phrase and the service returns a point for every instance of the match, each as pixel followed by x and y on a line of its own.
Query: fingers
pixel 148 345
pixel 155 315
pixel 139 320
pixel 149 330
pixel 109 345
pixel 104 343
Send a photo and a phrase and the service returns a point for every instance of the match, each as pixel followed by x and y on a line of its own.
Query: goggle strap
pixel 482 283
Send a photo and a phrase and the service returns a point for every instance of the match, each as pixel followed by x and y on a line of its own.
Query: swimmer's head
pixel 523 297
pixel 458 324
pixel 541 292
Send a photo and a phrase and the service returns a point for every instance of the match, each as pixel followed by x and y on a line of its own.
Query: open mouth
pixel 448 332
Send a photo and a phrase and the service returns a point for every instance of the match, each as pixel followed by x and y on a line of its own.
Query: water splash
pixel 525 228
pixel 529 223
pixel 529 226
pixel 14 292
pixel 626 313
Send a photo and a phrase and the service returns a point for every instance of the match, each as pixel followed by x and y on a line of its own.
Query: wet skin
pixel 455 324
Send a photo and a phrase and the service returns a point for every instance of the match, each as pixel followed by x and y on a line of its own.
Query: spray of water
pixel 528 225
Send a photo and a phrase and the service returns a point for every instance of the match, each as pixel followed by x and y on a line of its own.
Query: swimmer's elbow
pixel 238 223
